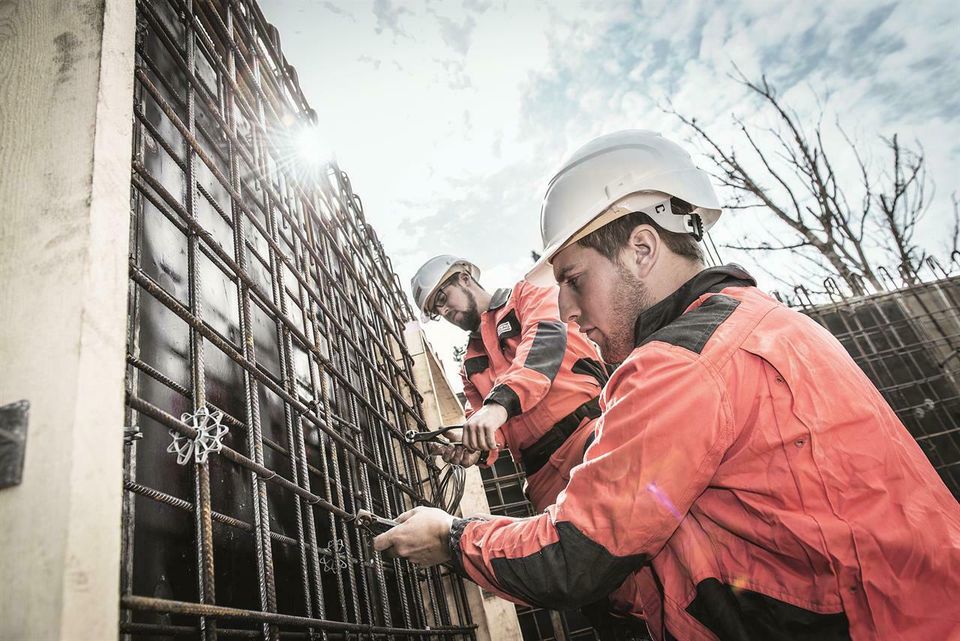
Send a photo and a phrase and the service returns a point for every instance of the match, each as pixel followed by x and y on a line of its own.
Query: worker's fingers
pixel 477 437
pixel 469 458
pixel 382 542
pixel 465 457
pixel 490 437
pixel 455 456
pixel 446 452
pixel 481 437
pixel 406 515
pixel 422 537
pixel 468 437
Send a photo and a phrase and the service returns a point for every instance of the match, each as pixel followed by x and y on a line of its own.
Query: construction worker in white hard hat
pixel 532 384
pixel 747 481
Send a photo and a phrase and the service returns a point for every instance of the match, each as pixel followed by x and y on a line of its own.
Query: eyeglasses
pixel 440 298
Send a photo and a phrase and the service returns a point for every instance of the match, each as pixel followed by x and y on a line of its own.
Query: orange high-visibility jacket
pixel 525 359
pixel 747 483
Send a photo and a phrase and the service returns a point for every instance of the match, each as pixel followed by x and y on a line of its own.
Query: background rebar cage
pixel 907 341
pixel 261 302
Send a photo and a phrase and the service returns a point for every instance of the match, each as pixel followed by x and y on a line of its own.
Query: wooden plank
pixel 66 94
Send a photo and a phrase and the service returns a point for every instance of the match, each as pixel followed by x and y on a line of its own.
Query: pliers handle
pixel 413 436
pixel 375 524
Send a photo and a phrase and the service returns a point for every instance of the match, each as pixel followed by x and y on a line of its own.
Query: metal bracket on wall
pixel 13 442
pixel 209 436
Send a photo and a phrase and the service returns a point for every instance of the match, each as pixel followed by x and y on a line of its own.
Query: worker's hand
pixel 455 454
pixel 421 536
pixel 480 430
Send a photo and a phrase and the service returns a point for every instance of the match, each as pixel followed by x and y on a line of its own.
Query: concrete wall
pixel 66 95
pixel 496 619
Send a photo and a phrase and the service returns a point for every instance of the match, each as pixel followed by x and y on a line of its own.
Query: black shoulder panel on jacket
pixel 508 327
pixel 693 329
pixel 592 367
pixel 567 574
pixel 549 346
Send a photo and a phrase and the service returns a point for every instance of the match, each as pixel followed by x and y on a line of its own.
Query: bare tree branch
pixel 955 238
pixel 765 247
pixel 903 203
pixel 799 182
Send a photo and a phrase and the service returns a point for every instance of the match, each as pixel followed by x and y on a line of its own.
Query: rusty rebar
pixel 212 89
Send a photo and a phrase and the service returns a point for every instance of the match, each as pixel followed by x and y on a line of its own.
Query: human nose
pixel 443 310
pixel 569 309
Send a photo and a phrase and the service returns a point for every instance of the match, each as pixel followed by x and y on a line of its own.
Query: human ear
pixel 642 248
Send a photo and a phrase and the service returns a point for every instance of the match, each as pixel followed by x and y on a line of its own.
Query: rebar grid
pixel 260 292
pixel 907 341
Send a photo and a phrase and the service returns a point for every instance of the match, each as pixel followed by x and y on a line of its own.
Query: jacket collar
pixel 670 308
pixel 499 299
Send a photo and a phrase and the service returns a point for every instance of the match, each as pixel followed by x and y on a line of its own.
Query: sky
pixel 450 116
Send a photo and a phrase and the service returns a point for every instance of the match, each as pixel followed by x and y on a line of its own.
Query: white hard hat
pixel 434 273
pixel 617 174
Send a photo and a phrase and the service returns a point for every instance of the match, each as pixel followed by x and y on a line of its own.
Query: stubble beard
pixel 470 322
pixel 630 299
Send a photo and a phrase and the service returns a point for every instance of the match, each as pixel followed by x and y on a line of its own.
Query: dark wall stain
pixel 66 56
pixel 8 11
pixel 91 12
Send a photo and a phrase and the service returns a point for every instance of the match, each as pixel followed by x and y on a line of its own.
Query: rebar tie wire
pixel 452 476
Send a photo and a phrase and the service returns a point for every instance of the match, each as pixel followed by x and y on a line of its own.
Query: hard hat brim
pixel 541 274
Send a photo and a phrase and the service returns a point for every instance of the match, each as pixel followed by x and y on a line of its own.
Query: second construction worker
pixel 531 383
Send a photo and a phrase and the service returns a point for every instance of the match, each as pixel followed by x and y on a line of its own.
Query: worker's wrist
pixel 498 408
pixel 504 396
pixel 457 529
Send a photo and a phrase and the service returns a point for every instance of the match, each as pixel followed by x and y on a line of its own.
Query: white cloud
pixel 450 116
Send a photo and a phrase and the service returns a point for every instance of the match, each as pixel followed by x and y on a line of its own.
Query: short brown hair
pixel 612 237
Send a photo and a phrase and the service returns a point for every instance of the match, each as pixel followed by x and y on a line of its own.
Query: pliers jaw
pixel 374 526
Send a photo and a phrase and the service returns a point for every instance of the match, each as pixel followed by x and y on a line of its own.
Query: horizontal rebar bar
pixel 162 630
pixel 151 604
pixel 155 290
pixel 266 474
pixel 187 506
